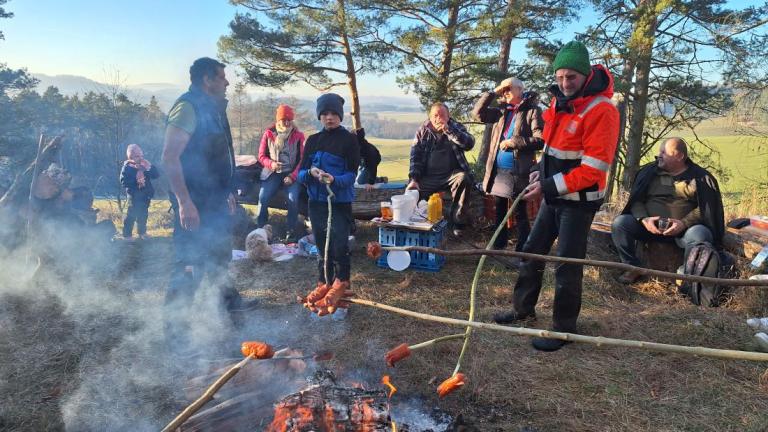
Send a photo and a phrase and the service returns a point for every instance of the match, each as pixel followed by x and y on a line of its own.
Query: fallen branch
pixel 571 337
pixel 594 263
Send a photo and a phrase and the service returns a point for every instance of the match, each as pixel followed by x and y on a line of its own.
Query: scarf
pixel 510 111
pixel 141 180
pixel 279 150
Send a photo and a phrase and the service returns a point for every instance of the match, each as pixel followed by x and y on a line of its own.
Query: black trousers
pixel 138 211
pixel 521 223
pixel 339 263
pixel 460 186
pixel 570 226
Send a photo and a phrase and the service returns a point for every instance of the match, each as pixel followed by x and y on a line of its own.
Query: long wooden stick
pixel 595 340
pixel 207 396
pixel 594 263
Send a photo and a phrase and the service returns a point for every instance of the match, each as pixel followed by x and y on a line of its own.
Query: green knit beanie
pixel 573 55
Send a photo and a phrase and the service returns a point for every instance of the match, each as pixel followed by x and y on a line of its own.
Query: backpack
pixel 704 260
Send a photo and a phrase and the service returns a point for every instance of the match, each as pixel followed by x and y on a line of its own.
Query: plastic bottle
pixel 435 208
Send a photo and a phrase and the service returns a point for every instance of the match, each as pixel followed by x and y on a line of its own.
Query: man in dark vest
pixel 672 200
pixel 199 160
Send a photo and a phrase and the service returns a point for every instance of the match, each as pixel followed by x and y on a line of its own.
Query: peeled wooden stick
pixel 207 396
pixel 595 340
pixel 594 263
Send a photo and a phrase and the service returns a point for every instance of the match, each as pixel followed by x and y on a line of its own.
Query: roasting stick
pixel 208 395
pixel 594 340
pixel 589 262
pixel 476 278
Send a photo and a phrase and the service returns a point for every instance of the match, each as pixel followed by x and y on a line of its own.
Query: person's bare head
pixel 513 90
pixel 208 74
pixel 673 155
pixel 134 152
pixel 438 115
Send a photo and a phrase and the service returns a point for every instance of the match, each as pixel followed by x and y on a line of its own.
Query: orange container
pixel 760 222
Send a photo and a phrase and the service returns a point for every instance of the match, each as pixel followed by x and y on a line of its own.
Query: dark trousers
pixel 521 223
pixel 570 226
pixel 138 211
pixel 339 263
pixel 626 231
pixel 459 184
pixel 205 251
pixel 367 174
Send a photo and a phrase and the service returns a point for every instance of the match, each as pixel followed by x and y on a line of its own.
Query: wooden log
pixel 743 242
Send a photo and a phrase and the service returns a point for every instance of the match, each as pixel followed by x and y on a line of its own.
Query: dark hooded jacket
pixel 707 194
pixel 527 136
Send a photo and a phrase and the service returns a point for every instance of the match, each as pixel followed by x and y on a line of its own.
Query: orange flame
pixel 386 382
pixel 394 426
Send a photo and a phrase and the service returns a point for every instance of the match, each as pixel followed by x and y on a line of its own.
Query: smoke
pixel 87 327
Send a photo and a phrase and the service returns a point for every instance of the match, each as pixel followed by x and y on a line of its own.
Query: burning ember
pixel 386 382
pixel 329 407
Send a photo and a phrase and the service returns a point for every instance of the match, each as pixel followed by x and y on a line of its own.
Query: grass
pixel 510 385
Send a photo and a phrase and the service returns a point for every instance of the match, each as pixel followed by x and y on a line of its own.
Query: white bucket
pixel 402 208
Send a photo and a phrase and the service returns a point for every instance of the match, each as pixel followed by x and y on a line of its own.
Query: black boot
pixel 512 317
pixel 544 344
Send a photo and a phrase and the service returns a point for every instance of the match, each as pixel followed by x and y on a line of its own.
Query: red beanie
pixel 284 112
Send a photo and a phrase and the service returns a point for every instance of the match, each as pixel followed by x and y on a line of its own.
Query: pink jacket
pixel 296 138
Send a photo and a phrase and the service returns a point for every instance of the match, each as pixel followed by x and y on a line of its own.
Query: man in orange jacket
pixel 581 130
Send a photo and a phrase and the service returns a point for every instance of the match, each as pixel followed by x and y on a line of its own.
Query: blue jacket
pixel 208 161
pixel 336 152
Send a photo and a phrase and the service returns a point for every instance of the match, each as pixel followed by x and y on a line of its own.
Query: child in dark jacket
pixel 136 177
pixel 331 156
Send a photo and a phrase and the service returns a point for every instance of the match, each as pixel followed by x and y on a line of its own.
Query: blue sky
pixel 147 41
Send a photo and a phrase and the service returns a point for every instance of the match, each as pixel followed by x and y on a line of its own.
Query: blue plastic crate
pixel 391 236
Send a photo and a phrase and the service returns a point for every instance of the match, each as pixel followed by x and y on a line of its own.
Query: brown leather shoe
pixel 629 277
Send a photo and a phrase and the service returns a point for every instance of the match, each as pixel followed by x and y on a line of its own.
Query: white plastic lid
pixel 398 260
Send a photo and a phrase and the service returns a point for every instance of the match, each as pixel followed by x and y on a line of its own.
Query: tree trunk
pixel 446 60
pixel 351 72
pixel 641 48
pixel 503 65
pixel 626 82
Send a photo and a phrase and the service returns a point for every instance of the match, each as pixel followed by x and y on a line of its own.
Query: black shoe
pixel 544 344
pixel 512 317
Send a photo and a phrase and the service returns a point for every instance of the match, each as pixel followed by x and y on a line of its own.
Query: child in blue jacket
pixel 330 156
pixel 136 177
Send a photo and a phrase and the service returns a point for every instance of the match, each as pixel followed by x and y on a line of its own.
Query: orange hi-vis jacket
pixel 580 144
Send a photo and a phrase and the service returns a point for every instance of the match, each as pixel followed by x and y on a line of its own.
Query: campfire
pixel 329 406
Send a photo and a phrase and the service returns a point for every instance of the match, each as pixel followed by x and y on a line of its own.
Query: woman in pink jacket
pixel 282 146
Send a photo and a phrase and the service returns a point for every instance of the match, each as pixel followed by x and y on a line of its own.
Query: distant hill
pixel 166 94
pixel 69 85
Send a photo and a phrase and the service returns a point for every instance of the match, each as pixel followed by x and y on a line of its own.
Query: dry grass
pixel 510 385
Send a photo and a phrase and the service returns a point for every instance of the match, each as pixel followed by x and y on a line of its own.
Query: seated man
pixel 438 162
pixel 672 199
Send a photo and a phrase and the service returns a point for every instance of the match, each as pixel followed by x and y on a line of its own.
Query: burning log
pixel 329 407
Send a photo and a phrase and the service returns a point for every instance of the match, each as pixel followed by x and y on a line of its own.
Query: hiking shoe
pixel 548 345
pixel 629 277
pixel 512 317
